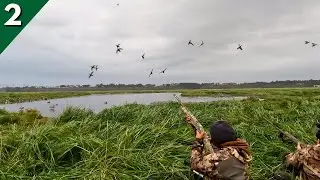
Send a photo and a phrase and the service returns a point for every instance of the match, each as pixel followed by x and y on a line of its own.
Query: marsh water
pixel 100 102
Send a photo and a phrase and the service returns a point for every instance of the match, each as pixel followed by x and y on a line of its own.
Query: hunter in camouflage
pixel 306 160
pixel 231 157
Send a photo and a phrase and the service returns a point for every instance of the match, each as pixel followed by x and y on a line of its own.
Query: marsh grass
pixel 18 97
pixel 140 141
pixel 269 93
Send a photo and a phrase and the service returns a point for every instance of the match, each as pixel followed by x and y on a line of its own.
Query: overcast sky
pixel 67 36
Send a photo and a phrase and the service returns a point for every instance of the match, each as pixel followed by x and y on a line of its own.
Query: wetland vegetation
pixel 137 141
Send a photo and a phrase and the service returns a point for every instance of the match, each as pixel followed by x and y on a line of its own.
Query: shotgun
pixel 285 133
pixel 196 124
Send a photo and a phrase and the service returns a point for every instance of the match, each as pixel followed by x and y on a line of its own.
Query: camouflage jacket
pixel 224 163
pixel 307 161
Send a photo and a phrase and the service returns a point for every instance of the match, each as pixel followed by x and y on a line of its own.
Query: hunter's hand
pixel 299 146
pixel 200 135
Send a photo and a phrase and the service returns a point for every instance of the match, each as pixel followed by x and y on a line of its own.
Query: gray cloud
pixel 66 37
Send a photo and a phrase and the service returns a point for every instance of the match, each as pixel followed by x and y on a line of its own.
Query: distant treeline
pixel 102 87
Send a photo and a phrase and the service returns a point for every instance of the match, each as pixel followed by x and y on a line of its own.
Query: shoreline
pixel 20 97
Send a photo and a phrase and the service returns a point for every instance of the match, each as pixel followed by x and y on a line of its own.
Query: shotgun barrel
pixel 285 133
pixel 195 123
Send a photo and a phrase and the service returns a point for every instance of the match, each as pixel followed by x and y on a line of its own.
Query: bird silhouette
pixel 151 72
pixel 163 71
pixel 92 67
pixel 118 4
pixel 143 55
pixel 201 44
pixel 240 47
pixel 306 42
pixel 314 44
pixel 190 43
pixel 91 74
pixel 118 45
pixel 119 50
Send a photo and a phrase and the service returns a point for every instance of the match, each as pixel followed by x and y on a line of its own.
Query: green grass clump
pixel 138 141
pixel 22 118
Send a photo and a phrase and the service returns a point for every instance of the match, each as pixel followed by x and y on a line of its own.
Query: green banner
pixel 14 16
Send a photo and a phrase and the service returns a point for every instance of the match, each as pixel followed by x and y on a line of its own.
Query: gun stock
pixel 195 123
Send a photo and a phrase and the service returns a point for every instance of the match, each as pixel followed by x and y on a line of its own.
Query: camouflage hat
pixel 222 132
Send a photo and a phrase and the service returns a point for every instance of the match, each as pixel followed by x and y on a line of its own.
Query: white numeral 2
pixel 17 11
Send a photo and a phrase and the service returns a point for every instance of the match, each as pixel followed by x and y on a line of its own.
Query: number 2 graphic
pixel 17 12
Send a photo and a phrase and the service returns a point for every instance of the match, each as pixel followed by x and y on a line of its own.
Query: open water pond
pixel 98 102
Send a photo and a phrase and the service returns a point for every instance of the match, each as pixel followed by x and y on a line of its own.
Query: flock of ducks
pixel 120 49
pixel 313 44
pixel 52 106
pixel 190 43
pixel 93 67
